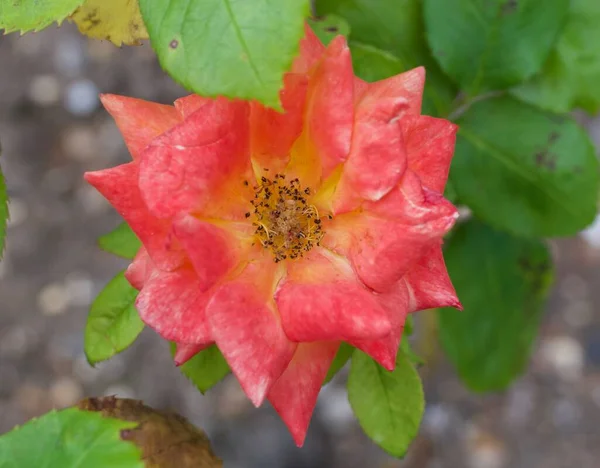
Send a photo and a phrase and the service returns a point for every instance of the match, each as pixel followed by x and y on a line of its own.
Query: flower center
pixel 286 223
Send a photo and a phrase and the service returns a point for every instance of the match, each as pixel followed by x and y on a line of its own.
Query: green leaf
pixel 525 171
pixel 239 49
pixel 122 242
pixel 571 74
pixel 389 405
pixel 450 193
pixel 409 326
pixel 3 212
pixel 205 369
pixel 113 323
pixel 410 354
pixel 328 27
pixel 492 44
pixel 68 439
pixel 339 361
pixel 502 282
pixel 386 38
pixel 33 15
pixel 373 64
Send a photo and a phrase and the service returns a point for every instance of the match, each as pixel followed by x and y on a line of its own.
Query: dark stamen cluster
pixel 286 223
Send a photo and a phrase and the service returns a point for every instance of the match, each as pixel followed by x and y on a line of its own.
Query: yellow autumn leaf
pixel 118 21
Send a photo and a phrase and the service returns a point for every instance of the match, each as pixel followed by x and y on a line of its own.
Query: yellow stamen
pixel 285 222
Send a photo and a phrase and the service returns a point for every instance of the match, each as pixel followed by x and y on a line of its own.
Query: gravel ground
pixel 52 130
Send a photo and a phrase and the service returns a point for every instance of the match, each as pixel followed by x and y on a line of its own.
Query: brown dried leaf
pixel 166 439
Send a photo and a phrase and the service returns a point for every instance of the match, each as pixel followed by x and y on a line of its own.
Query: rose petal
pixel 140 269
pixel 430 146
pixel 247 330
pixel 383 249
pixel 311 50
pixel 321 299
pixel 174 305
pixel 184 352
pixel 213 251
pixel 187 105
pixel 397 302
pixel 378 157
pixel 411 203
pixel 139 121
pixel 360 87
pixel 119 186
pixel 430 284
pixel 408 85
pixel 273 133
pixel 182 169
pixel 330 108
pixel 295 393
pixel 329 114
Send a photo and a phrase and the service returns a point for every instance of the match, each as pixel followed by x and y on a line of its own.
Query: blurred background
pixel 52 129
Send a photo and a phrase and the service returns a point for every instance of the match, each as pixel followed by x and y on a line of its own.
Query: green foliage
pixel 525 171
pixel 113 323
pixel 328 27
pixel 122 241
pixel 3 212
pixel 502 282
pixel 387 38
pixel 410 354
pixel 492 44
pixel 234 48
pixel 33 15
pixel 71 438
pixel 374 64
pixel 205 369
pixel 389 405
pixel 571 74
pixel 340 360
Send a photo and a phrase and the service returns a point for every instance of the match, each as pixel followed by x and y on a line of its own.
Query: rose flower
pixel 279 235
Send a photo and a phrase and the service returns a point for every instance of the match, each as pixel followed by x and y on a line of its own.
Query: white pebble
pixel 13 342
pixel 579 314
pixel 595 393
pixel 110 142
pixel 81 97
pixel 485 450
pixel 18 212
pixel 120 390
pixel 84 372
pixel 93 202
pixel 337 413
pixel 592 233
pixel 79 143
pixel 29 44
pixel 437 419
pixel 573 288
pixel 44 90
pixel 68 56
pixel 113 369
pixel 565 355
pixel 520 404
pixel 80 288
pixel 58 180
pixel 53 299
pixel 4 265
pixel 566 414
pixel 65 392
